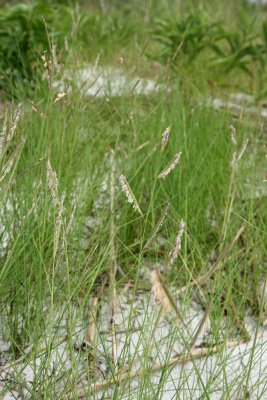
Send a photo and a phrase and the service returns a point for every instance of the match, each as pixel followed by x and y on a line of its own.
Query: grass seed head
pixel 14 122
pixel 7 167
pixel 233 134
pixel 52 182
pixel 129 194
pixel 165 137
pixel 74 206
pixel 59 223
pixel 9 164
pixel 178 241
pixel 243 149
pixel 9 129
pixel 171 166
pixel 60 96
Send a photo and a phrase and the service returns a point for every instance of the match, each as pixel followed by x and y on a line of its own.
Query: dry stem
pixel 178 359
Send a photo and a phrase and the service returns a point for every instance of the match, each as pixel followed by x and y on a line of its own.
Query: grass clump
pixel 101 204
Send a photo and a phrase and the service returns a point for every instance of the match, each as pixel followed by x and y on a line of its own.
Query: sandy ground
pixel 108 81
pixel 136 314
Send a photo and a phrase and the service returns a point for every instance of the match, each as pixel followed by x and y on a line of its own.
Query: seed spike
pixel 178 241
pixel 171 166
pixel 165 137
pixel 129 194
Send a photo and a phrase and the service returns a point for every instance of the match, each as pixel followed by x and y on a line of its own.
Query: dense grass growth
pixel 68 234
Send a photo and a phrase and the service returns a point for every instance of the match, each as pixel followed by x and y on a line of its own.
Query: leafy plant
pixel 29 30
pixel 24 37
pixel 223 50
pixel 237 50
pixel 186 38
pixel 102 31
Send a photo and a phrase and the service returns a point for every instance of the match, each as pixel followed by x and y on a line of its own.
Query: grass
pixel 75 271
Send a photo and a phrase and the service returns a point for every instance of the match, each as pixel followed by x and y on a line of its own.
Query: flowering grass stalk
pixel 52 182
pixel 129 194
pixel 171 166
pixel 242 151
pixel 165 137
pixel 233 134
pixel 59 223
pixel 178 241
pixel 9 129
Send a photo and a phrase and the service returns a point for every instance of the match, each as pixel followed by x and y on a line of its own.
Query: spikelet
pixel 129 194
pixel 9 164
pixel 14 122
pixel 158 226
pixel 74 206
pixel 165 137
pixel 96 64
pixel 52 182
pixel 59 222
pixel 7 134
pixel 36 109
pixel 233 134
pixel 3 133
pixel 158 291
pixel 142 146
pixel 171 166
pixel 45 59
pixel 66 44
pixel 238 157
pixel 233 161
pixel 243 149
pixel 59 97
pixel 178 241
pixel 7 167
pixel 47 65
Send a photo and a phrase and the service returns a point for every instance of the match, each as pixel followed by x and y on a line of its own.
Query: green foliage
pixel 104 31
pixel 26 31
pixel 222 49
pixel 190 36
pixel 23 38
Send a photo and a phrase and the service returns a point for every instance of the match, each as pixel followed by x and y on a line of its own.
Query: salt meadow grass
pixel 133 242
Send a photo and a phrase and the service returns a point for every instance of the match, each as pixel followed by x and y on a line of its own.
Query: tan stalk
pixel 178 359
pixel 163 296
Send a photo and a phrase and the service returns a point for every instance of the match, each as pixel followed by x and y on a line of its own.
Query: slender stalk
pixel 178 359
